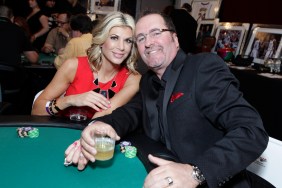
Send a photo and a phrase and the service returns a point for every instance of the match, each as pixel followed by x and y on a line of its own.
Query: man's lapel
pixel 170 83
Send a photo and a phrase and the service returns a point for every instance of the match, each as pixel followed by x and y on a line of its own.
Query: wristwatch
pixel 198 175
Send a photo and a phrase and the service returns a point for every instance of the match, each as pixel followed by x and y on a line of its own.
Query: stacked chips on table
pixel 128 150
pixel 30 132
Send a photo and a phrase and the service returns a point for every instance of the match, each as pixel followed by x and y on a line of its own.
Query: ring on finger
pixel 67 163
pixel 169 180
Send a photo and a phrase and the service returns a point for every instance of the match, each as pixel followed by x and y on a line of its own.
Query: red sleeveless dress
pixel 84 81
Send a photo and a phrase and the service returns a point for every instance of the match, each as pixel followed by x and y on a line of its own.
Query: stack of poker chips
pixel 30 132
pixel 128 150
pixel 123 144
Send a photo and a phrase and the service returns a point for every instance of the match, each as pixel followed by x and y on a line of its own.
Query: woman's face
pixel 32 3
pixel 50 3
pixel 118 45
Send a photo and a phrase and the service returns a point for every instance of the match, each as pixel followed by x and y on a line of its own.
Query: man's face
pixel 63 22
pixel 50 3
pixel 157 49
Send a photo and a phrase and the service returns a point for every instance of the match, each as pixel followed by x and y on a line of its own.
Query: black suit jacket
pixel 207 121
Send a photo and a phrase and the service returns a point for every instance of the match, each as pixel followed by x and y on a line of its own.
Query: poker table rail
pixel 40 121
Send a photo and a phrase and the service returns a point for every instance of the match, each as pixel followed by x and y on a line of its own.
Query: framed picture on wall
pixel 229 37
pixel 104 6
pixel 264 43
pixel 205 28
pixel 205 9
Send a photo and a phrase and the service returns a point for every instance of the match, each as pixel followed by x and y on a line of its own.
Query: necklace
pixel 108 93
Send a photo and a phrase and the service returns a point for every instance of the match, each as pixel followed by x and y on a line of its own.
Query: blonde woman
pixel 100 82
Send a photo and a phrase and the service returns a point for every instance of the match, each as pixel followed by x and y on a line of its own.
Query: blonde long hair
pixel 101 33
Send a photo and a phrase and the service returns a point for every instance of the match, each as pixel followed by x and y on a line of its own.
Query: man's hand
pixel 87 141
pixel 167 171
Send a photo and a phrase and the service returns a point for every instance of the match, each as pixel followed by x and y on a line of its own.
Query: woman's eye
pixel 114 38
pixel 130 41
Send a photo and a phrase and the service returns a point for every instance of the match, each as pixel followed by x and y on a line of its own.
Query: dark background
pixel 251 11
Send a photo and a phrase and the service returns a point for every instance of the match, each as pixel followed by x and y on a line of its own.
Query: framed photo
pixel 264 43
pixel 205 28
pixel 103 6
pixel 229 37
pixel 205 9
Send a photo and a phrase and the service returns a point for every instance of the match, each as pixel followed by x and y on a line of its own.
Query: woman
pixel 108 69
pixel 38 25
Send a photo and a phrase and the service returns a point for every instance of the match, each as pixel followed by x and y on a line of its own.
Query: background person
pixel 14 40
pixel 109 68
pixel 81 26
pixel 193 106
pixel 186 28
pixel 38 25
pixel 51 11
pixel 58 37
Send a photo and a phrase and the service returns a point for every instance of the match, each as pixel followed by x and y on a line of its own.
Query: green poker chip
pixel 130 151
pixel 34 133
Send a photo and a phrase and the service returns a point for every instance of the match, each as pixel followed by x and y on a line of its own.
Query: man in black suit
pixel 14 41
pixel 193 106
pixel 186 28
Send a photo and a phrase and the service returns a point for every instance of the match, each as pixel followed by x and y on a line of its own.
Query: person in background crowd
pixel 81 26
pixel 22 23
pixel 192 105
pixel 38 25
pixel 59 36
pixel 186 28
pixel 74 7
pixel 14 41
pixel 50 10
pixel 109 68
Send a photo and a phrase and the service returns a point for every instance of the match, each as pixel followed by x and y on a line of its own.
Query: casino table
pixel 38 162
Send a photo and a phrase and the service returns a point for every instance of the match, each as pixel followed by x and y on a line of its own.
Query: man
pixel 14 42
pixel 58 37
pixel 192 105
pixel 186 28
pixel 81 26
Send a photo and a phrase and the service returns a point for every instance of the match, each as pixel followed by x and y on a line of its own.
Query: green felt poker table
pixel 38 162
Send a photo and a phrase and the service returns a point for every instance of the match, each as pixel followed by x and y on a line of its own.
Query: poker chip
pixel 130 151
pixel 34 133
pixel 30 132
pixel 123 144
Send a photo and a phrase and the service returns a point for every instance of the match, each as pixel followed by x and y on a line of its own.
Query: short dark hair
pixel 167 19
pixel 187 6
pixel 6 12
pixel 82 23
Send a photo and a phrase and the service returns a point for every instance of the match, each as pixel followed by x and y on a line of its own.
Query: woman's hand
pixel 73 155
pixel 91 99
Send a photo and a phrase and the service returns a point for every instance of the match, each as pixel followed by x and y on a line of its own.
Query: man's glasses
pixel 154 33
